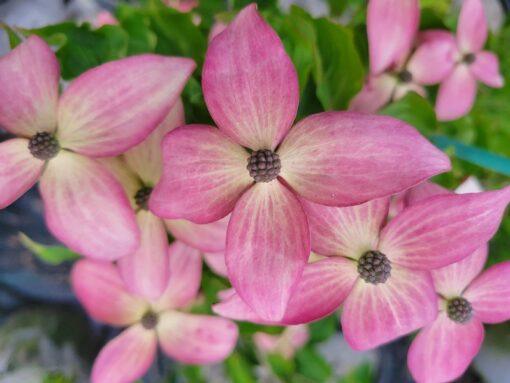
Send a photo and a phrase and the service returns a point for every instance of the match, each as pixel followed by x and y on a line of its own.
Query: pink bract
pixel 432 233
pixel 138 170
pixel 103 112
pixel 188 338
pixel 251 89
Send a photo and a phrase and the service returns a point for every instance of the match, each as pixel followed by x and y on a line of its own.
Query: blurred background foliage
pixel 330 55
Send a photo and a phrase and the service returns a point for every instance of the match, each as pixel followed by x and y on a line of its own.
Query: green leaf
pixel 57 377
pixel 281 367
pixel 176 33
pixel 193 374
pixel 415 110
pixel 12 34
pixel 80 48
pixel 54 255
pixel 238 369
pixel 339 72
pixel 136 24
pixel 323 329
pixel 360 374
pixel 312 365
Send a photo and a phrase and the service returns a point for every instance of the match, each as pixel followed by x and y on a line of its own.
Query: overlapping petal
pixel 376 93
pixel 216 262
pixel 346 158
pixel 209 237
pixel 346 231
pixel 146 158
pixel 391 27
pixel 126 357
pixel 268 245
pixel 87 209
pixel 443 229
pixel 115 106
pixel 376 314
pixel 250 84
pixel 443 350
pixel 423 191
pixel 204 174
pixel 185 275
pixel 486 69
pixel 433 61
pixel 472 28
pixel 456 94
pixel 29 75
pixel 322 288
pixel 19 170
pixel 196 339
pixel 489 294
pixel 452 280
pixel 100 289
pixel 146 270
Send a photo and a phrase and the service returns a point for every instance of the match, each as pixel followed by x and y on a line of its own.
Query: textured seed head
pixel 264 165
pixel 43 146
pixel 374 267
pixel 405 76
pixel 459 310
pixel 469 58
pixel 142 197
pixel 150 320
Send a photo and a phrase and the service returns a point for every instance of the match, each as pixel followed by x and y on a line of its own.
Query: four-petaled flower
pixel 186 337
pixel 104 112
pixel 138 170
pixel 382 272
pixel 460 62
pixel 337 158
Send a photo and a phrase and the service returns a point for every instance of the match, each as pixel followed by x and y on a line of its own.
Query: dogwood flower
pixel 382 272
pixel 104 112
pixel 185 337
pixel 392 26
pixel 445 348
pixel 285 344
pixel 138 170
pixel 251 89
pixel 462 62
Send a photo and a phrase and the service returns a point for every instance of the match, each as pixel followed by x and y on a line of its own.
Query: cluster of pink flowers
pixel 254 196
pixel 457 63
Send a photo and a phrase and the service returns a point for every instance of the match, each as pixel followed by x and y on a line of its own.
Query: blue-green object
pixel 474 155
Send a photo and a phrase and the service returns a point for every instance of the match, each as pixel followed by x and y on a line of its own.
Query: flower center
pixel 150 320
pixel 142 197
pixel 43 146
pixel 405 76
pixel 264 165
pixel 469 58
pixel 374 267
pixel 459 310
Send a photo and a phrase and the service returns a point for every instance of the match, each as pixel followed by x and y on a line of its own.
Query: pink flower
pixel 251 90
pixel 444 349
pixel 182 5
pixel 382 271
pixel 463 62
pixel 138 170
pixel 185 337
pixel 392 26
pixel 103 112
pixel 285 344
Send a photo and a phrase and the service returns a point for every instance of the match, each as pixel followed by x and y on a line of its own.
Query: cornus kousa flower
pixel 256 165
pixel 185 337
pixel 381 271
pixel 392 26
pixel 138 170
pixel 103 112
pixel 460 62
pixel 443 350
pixel 285 344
